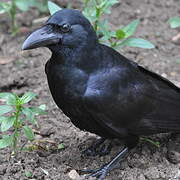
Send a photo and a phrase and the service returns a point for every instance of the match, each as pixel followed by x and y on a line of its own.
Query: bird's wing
pixel 133 101
pixel 116 98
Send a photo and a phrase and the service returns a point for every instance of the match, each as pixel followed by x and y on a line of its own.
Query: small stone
pixel 74 175
pixel 38 136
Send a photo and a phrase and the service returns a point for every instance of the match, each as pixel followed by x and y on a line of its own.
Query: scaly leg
pixel 101 173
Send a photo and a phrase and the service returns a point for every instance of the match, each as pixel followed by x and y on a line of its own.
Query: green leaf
pixel 2 118
pixel 130 29
pixel 6 6
pixel 2 10
pixel 174 22
pixel 11 99
pixel 53 7
pixel 28 174
pixel 27 97
pixel 90 14
pixel 136 42
pixel 38 110
pixel 106 5
pixel 28 133
pixel 6 141
pixel 61 146
pixel 29 114
pixel 42 107
pixel 155 143
pixel 7 123
pixel 103 29
pixel 5 109
pixel 120 34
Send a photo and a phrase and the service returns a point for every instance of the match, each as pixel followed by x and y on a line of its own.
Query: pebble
pixel 74 175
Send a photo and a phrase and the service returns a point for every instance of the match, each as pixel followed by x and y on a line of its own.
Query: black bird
pixel 100 90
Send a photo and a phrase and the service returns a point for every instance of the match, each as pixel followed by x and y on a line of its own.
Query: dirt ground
pixel 24 71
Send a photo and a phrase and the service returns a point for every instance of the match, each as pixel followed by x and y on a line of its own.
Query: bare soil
pixel 24 71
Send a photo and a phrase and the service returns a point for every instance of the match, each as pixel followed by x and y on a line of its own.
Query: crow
pixel 100 90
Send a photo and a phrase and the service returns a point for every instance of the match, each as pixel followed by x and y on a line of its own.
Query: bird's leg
pixel 104 170
pixel 101 173
pixel 94 149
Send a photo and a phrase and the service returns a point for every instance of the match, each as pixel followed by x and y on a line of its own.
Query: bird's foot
pixel 98 148
pixel 100 173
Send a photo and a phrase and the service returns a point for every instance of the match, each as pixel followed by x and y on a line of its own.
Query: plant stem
pixel 150 141
pixel 97 19
pixel 16 126
pixel 13 17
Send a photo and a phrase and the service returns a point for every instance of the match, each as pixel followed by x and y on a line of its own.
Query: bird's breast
pixel 67 84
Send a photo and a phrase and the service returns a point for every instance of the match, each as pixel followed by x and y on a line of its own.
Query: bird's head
pixel 67 28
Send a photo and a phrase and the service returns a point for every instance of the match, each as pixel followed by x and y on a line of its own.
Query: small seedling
pixel 28 174
pixel 93 10
pixel 155 143
pixel 11 8
pixel 61 146
pixel 119 38
pixel 15 115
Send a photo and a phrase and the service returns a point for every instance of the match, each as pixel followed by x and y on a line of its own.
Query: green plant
pixel 12 6
pixel 174 22
pixel 15 115
pixel 93 10
pixel 155 143
pixel 11 9
pixel 28 174
pixel 53 7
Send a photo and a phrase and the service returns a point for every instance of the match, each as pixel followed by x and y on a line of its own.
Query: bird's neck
pixel 80 57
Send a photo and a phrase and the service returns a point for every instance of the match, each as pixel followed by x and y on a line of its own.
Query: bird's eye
pixel 65 28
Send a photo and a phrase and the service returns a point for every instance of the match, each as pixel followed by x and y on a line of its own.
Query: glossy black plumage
pixel 100 90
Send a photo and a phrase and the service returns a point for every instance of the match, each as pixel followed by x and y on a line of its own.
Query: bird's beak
pixel 41 38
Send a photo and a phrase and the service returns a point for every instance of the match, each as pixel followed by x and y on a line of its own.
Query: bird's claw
pixel 98 173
